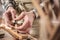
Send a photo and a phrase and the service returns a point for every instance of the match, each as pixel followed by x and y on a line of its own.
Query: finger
pixel 9 25
pixel 25 31
pixel 20 16
pixel 7 18
pixel 25 25
pixel 13 12
pixel 6 15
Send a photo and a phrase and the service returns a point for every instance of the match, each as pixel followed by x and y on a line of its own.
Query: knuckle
pixel 13 10
pixel 4 14
pixel 23 13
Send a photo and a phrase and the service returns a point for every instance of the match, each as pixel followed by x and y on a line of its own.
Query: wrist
pixel 33 15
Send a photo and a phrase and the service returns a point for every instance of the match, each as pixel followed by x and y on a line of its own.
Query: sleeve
pixel 35 11
pixel 8 3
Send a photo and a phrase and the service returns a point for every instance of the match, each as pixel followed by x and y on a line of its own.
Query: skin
pixel 10 14
pixel 28 20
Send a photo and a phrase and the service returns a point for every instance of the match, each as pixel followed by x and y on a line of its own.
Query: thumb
pixel 13 12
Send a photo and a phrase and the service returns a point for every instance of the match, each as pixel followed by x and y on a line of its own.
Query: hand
pixel 9 15
pixel 28 18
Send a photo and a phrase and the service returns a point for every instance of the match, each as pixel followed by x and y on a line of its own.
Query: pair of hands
pixel 10 14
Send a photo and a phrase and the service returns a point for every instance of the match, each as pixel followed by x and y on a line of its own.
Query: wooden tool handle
pixel 14 34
